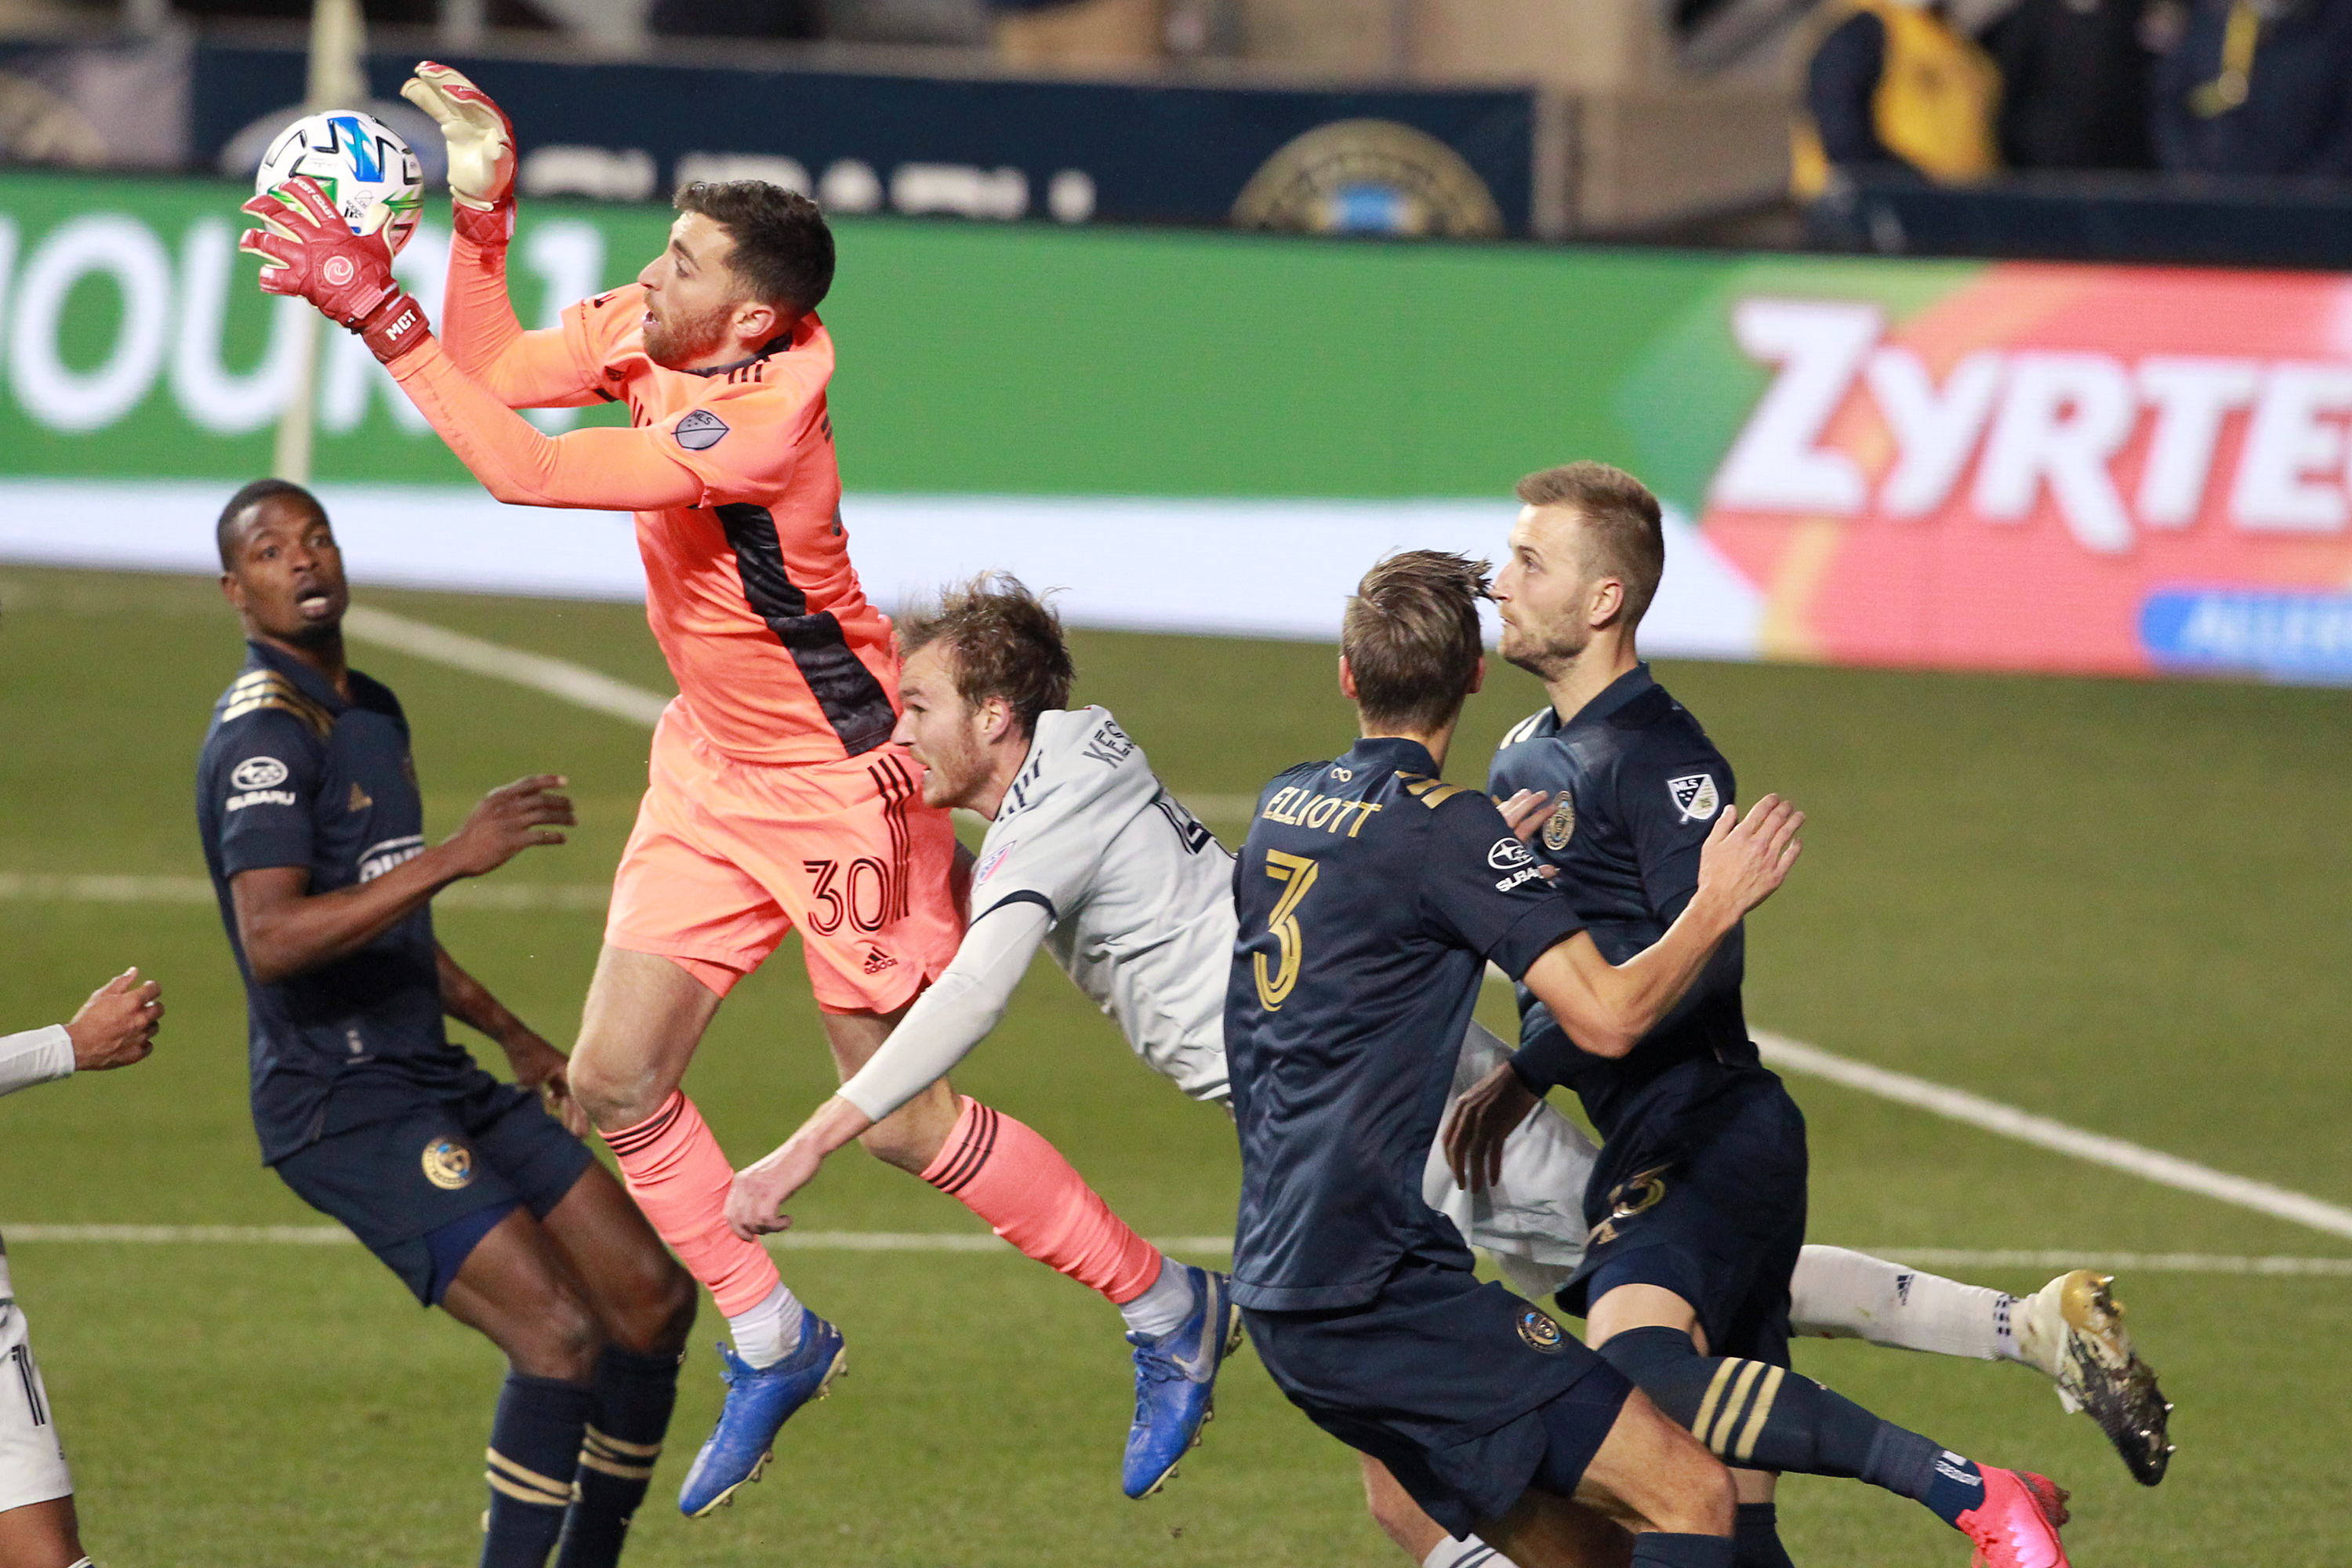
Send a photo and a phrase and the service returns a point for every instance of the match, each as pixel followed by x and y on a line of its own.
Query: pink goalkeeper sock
pixel 676 1172
pixel 1029 1194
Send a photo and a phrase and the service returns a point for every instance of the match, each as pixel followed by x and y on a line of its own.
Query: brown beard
pixel 1547 659
pixel 673 343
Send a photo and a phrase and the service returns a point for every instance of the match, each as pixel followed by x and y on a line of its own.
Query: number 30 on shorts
pixel 858 893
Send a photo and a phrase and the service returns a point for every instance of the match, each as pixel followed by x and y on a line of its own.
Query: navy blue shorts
pixel 1705 1199
pixel 1468 1395
pixel 396 1181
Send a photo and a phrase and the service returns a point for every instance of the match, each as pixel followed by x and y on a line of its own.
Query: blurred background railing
pixel 2152 130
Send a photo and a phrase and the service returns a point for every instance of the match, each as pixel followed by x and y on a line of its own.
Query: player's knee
pixel 1395 1512
pixel 562 1339
pixel 674 1303
pixel 612 1091
pixel 894 1144
pixel 1694 1494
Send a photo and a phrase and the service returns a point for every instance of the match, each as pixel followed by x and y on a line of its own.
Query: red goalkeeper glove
pixel 309 251
pixel 482 142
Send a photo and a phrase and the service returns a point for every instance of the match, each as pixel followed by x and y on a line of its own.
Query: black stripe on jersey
pixel 24 1358
pixel 854 702
pixel 1025 896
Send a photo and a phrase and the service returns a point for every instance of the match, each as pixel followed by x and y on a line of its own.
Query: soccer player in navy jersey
pixel 1371 896
pixel 484 1202
pixel 1697 1202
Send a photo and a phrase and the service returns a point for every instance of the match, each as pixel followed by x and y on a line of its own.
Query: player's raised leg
pixel 645 1015
pixel 2071 1330
pixel 1761 1415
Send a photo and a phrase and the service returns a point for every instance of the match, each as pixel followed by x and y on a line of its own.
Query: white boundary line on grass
pixel 2096 1148
pixel 969 1241
pixel 588 688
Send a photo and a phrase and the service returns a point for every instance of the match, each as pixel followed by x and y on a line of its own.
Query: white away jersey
pixel 1140 894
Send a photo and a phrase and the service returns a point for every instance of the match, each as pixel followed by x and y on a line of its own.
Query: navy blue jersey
pixel 291 775
pixel 1636 785
pixel 1371 896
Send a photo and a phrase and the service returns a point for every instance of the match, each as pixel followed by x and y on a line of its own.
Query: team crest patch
pixel 700 430
pixel 1539 1331
pixel 1694 795
pixel 449 1165
pixel 258 772
pixel 1561 827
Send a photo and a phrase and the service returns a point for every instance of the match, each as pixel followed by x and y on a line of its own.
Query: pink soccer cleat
pixel 2016 1526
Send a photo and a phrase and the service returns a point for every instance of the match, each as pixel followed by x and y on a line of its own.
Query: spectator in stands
pixel 1893 89
pixel 2258 87
pixel 1077 34
pixel 2074 79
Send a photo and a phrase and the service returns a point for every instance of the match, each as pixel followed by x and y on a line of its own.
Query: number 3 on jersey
pixel 1297 871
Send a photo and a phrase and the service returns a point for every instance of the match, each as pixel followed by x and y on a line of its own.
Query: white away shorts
pixel 32 1461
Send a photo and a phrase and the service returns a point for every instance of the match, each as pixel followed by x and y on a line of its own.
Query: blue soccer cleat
pixel 1176 1382
pixel 760 1400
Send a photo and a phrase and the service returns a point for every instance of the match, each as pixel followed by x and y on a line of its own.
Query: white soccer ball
pixel 362 163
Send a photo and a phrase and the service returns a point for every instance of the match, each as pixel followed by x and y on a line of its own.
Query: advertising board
pixel 1878 462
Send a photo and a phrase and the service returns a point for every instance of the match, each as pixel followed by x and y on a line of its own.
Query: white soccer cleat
pixel 2072 1328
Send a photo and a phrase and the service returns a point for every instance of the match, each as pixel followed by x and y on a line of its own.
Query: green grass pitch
pixel 2119 904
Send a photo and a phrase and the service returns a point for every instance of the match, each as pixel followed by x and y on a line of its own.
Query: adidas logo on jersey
pixel 876 960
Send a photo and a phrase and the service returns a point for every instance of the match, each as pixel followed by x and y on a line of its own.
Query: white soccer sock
pixel 1840 1294
pixel 769 1331
pixel 1165 1303
pixel 1464 1551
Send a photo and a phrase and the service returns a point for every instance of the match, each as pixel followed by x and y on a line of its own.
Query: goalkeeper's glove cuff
pixel 490 227
pixel 393 328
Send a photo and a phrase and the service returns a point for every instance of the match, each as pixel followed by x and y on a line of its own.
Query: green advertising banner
pixel 1866 461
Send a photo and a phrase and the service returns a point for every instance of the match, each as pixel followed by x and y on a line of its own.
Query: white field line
pixel 575 683
pixel 578 684
pixel 2097 1148
pixel 336 1236
pixel 588 688
pixel 969 1241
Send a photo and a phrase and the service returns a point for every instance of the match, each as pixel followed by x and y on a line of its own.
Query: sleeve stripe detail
pixel 261 688
pixel 979 1143
pixel 1432 793
pixel 1025 896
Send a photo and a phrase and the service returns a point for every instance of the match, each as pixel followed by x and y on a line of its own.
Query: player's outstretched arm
pixel 938 1031
pixel 286 930
pixel 537 1064
pixel 522 370
pixel 308 252
pixel 114 1028
pixel 117 1025
pixel 1607 1008
pixel 599 468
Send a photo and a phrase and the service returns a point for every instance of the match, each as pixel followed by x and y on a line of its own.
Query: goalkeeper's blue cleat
pixel 760 1400
pixel 1176 1382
